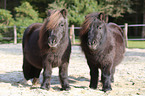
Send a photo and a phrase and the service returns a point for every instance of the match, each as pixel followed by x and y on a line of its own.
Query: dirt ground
pixel 129 76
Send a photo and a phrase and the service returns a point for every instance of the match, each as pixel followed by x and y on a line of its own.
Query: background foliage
pixel 116 8
pixel 22 13
pixel 25 15
pixel 5 20
pixel 77 9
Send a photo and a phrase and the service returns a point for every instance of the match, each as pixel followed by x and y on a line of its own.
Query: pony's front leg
pixel 112 74
pixel 106 77
pixel 94 73
pixel 63 75
pixel 46 76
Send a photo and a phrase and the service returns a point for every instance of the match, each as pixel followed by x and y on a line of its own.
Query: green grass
pixel 136 44
pixel 77 41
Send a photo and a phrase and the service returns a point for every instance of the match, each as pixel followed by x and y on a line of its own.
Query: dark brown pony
pixel 104 48
pixel 47 46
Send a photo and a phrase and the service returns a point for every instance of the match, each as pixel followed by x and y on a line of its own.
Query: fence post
pixel 125 33
pixel 15 35
pixel 72 35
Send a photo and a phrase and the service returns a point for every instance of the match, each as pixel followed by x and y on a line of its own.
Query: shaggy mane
pixel 50 23
pixel 88 20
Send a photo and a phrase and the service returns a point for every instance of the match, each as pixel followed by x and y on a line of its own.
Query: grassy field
pixel 131 44
pixel 136 44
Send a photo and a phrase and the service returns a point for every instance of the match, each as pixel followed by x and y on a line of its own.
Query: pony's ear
pixel 64 13
pixel 86 16
pixel 49 13
pixel 103 17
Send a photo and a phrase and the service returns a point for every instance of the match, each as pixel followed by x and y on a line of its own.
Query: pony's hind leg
pixel 36 73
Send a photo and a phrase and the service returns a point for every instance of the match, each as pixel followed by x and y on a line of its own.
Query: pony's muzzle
pixel 52 41
pixel 92 44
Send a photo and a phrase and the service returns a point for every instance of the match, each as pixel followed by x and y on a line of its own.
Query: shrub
pixel 25 16
pixel 6 24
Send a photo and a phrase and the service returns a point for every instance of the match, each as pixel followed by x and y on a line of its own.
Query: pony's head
pixel 53 29
pixel 94 27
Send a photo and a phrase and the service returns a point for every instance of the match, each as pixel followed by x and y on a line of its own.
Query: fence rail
pixel 72 33
pixel 131 25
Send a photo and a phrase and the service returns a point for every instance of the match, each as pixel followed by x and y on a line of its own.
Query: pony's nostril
pixel 89 43
pixel 94 42
pixel 54 41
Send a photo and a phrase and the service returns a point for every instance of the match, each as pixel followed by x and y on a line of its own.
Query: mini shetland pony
pixel 47 46
pixel 104 48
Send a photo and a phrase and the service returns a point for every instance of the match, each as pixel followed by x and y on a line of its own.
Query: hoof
pixel 112 80
pixel 45 87
pixel 35 81
pixel 35 86
pixel 25 82
pixel 93 87
pixel 106 89
pixel 65 89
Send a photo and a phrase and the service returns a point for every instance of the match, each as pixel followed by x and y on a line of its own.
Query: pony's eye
pixel 99 27
pixel 61 25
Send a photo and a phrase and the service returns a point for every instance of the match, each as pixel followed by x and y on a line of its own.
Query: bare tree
pixel 5 4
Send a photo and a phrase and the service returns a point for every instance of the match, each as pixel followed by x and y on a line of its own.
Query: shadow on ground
pixel 15 78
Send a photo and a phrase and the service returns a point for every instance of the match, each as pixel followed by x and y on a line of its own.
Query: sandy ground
pixel 129 76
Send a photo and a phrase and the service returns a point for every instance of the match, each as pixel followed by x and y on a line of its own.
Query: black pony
pixel 47 46
pixel 104 48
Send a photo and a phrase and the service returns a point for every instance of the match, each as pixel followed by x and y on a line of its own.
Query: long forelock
pixel 86 24
pixel 53 21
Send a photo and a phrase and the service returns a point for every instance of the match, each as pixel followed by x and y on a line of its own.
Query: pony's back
pixel 29 31
pixel 117 34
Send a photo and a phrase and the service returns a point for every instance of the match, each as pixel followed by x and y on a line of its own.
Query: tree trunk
pixel 5 4
pixel 143 29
